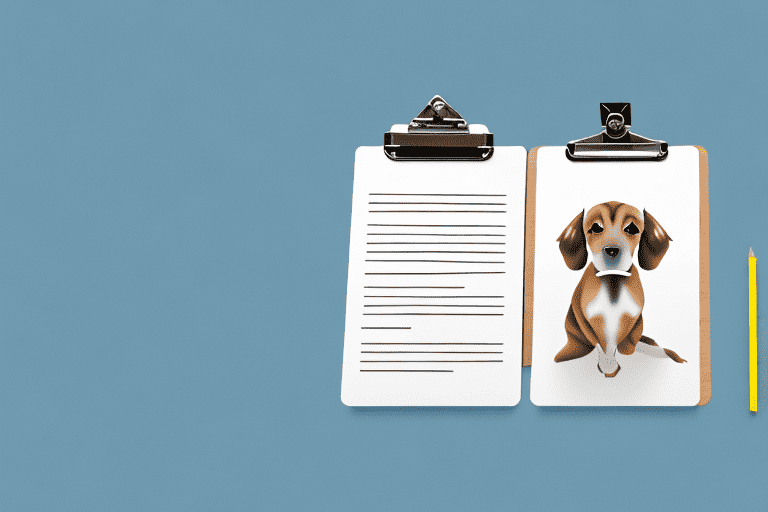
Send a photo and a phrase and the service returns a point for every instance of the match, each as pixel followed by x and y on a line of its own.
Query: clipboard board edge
pixel 705 358
pixel 530 242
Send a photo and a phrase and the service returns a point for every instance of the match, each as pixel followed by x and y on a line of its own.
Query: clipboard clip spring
pixel 616 142
pixel 438 132
pixel 437 117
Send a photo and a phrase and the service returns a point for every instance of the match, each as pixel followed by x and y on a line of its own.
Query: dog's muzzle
pixel 611 261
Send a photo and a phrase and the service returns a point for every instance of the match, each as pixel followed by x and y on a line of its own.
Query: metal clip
pixel 616 142
pixel 438 133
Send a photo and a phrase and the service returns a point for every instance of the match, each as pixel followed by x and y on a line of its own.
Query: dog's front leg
pixel 606 361
pixel 606 345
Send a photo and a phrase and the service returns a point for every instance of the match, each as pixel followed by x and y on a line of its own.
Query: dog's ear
pixel 654 243
pixel 573 243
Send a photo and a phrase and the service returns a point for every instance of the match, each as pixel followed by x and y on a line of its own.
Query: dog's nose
pixel 611 251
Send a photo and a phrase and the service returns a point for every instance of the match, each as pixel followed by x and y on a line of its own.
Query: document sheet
pixel 435 286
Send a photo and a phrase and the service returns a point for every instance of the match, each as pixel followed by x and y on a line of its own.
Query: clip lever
pixel 616 142
pixel 438 133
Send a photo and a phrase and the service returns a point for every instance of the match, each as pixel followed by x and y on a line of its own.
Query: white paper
pixel 669 190
pixel 435 288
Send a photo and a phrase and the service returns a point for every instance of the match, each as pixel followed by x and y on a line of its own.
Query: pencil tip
pixel 751 253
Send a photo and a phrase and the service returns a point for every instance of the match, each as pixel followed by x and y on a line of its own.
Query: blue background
pixel 175 199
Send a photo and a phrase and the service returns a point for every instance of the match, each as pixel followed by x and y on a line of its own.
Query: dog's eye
pixel 596 228
pixel 631 229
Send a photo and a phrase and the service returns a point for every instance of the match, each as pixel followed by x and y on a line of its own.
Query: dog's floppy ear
pixel 654 243
pixel 573 243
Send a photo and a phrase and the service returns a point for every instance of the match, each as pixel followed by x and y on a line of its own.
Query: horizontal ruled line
pixel 420 352
pixel 428 371
pixel 425 273
pixel 457 195
pixel 436 243
pixel 431 261
pixel 457 343
pixel 433 314
pixel 442 225
pixel 448 287
pixel 433 306
pixel 432 234
pixel 458 361
pixel 385 327
pixel 436 211
pixel 436 252
pixel 468 204
pixel 434 296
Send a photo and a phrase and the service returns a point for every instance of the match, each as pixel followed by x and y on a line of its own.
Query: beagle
pixel 606 308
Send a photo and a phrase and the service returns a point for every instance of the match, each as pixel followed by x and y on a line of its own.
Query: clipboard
pixel 433 314
pixel 617 143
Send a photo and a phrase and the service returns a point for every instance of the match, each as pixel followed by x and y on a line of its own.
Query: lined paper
pixel 434 295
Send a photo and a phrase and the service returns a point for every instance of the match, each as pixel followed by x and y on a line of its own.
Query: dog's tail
pixel 650 348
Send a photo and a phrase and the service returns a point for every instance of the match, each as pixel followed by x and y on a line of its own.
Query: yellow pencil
pixel 752 331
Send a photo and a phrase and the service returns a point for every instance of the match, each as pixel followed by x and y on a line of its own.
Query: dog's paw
pixel 609 375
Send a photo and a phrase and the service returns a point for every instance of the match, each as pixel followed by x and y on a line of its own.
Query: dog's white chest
pixel 612 309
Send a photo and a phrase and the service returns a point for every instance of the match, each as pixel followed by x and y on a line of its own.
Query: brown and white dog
pixel 606 308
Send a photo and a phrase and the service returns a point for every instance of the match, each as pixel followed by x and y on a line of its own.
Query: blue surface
pixel 175 198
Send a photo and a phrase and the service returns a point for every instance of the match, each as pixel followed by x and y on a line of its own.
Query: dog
pixel 606 308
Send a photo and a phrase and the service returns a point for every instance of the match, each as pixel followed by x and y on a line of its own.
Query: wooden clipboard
pixel 704 289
